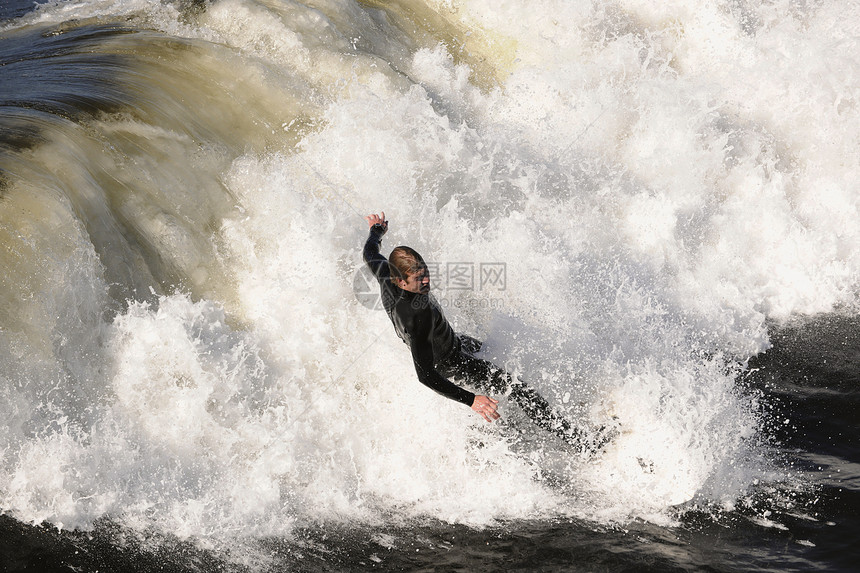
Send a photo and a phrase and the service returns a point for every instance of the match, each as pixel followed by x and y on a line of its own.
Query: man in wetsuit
pixel 439 353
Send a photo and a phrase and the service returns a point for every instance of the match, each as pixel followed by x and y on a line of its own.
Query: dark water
pixel 809 377
pixel 11 9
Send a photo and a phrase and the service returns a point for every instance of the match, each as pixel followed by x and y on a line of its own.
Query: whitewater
pixel 623 199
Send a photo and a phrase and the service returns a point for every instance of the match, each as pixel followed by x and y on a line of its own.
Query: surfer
pixel 439 353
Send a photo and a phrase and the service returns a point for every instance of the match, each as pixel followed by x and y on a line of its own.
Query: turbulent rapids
pixel 617 196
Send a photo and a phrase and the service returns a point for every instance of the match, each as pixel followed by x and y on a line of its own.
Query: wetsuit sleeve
pixel 422 356
pixel 377 262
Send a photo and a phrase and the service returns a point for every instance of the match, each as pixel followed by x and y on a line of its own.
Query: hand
pixel 377 220
pixel 486 407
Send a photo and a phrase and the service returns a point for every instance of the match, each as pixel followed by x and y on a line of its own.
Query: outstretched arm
pixel 422 356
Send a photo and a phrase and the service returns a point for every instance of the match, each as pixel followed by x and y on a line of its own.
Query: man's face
pixel 417 282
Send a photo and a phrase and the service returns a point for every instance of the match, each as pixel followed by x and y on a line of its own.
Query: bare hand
pixel 486 407
pixel 378 220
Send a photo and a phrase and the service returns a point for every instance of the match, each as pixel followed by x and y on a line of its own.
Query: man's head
pixel 408 270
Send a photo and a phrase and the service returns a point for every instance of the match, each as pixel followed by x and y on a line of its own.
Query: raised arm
pixel 378 264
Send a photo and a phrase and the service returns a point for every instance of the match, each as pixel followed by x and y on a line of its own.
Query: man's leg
pixel 488 377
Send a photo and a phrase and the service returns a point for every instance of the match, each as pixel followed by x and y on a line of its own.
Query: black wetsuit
pixel 439 353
